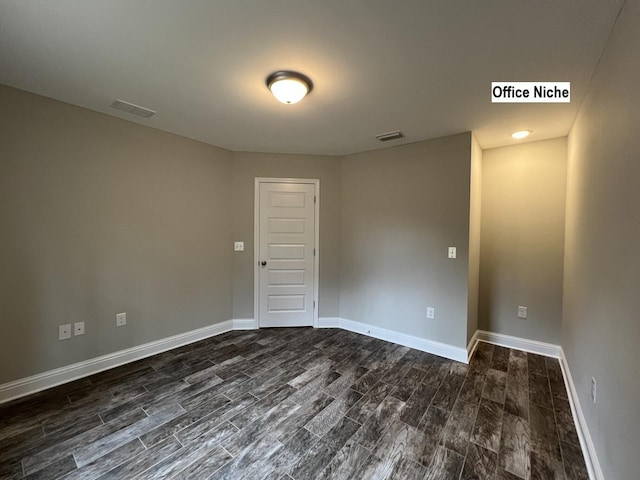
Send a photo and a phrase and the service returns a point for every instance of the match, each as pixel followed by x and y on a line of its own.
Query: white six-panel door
pixel 285 254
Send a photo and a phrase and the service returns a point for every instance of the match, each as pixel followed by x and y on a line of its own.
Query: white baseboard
pixel 35 383
pixel 533 346
pixel 328 322
pixel 471 346
pixel 436 348
pixel 586 443
pixel 244 324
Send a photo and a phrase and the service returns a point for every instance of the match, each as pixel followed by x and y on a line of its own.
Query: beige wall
pixel 248 166
pixel 522 248
pixel 601 324
pixel 101 216
pixel 401 208
pixel 475 219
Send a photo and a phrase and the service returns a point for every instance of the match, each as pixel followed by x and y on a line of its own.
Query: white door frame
pixel 256 243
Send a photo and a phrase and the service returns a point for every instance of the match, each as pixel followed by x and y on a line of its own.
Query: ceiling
pixel 423 67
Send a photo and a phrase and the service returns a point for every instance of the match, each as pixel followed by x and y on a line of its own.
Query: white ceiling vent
pixel 385 137
pixel 132 108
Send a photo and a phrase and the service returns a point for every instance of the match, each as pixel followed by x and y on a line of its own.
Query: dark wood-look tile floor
pixel 300 404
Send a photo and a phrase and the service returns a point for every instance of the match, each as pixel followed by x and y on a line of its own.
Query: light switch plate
pixel 238 246
pixel 452 252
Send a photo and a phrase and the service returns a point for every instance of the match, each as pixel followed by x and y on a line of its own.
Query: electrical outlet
pixel 452 252
pixel 522 312
pixel 431 312
pixel 238 246
pixel 121 319
pixel 593 389
pixel 64 332
pixel 78 328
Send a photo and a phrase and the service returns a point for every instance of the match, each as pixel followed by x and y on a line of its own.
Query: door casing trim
pixel 256 242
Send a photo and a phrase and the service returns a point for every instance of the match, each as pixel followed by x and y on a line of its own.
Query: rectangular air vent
pixel 132 108
pixel 385 137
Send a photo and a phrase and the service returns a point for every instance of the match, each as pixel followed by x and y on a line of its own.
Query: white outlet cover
pixel 78 328
pixel 452 252
pixel 64 332
pixel 522 312
pixel 121 319
pixel 431 312
pixel 238 246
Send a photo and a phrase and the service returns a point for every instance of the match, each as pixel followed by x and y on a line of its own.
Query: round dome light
pixel 289 87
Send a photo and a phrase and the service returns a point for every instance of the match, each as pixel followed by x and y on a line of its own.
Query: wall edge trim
pixel 586 442
pixel 471 346
pixel 329 322
pixel 430 346
pixel 42 381
pixel 245 324
pixel 518 343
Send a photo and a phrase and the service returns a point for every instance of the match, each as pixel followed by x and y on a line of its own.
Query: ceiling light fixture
pixel 289 87
pixel 521 134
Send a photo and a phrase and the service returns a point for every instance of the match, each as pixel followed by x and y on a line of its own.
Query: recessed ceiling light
pixel 521 134
pixel 289 87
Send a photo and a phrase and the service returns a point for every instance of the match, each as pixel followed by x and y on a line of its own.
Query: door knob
pixel 263 263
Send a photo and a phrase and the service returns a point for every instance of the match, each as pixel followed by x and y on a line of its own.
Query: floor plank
pixel 318 456
pixel 479 464
pixel 456 434
pixel 488 426
pixel 495 384
pixel 515 446
pixel 446 465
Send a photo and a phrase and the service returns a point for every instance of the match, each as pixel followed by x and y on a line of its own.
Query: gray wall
pixel 401 208
pixel 101 216
pixel 601 325
pixel 522 248
pixel 248 166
